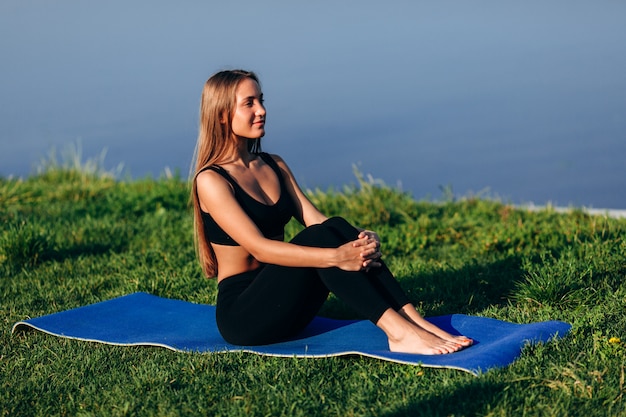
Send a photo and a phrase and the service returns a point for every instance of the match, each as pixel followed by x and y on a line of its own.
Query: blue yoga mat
pixel 144 319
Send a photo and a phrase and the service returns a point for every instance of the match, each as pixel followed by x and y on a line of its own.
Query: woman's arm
pixel 307 212
pixel 217 198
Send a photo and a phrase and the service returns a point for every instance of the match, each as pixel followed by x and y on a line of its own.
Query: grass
pixel 73 236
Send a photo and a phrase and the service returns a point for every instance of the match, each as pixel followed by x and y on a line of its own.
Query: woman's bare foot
pixel 404 336
pixel 422 342
pixel 411 314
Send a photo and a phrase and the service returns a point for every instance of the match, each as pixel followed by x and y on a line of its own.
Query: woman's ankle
pixel 394 325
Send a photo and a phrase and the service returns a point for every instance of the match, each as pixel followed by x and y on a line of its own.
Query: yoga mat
pixel 144 319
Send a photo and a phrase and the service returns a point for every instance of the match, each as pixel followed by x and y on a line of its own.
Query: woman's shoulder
pixel 208 168
pixel 212 176
pixel 276 158
pixel 213 189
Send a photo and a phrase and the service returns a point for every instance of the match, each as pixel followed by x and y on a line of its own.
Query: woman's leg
pixel 381 279
pixel 279 301
pixel 363 292
pixel 400 311
pixel 275 302
pixel 268 305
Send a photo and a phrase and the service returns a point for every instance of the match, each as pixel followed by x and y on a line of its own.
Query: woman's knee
pixel 342 227
pixel 318 235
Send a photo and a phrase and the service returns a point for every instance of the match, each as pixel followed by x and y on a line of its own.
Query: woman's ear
pixel 224 117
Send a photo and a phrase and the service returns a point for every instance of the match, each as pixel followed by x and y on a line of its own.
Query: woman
pixel 268 289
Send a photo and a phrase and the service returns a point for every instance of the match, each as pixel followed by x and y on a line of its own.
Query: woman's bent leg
pixel 362 291
pixel 276 302
pixel 268 305
pixel 407 330
pixel 368 293
pixel 273 303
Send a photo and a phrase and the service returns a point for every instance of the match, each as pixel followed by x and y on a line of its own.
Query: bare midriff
pixel 233 260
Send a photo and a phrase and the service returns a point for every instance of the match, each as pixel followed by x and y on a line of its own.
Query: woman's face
pixel 249 116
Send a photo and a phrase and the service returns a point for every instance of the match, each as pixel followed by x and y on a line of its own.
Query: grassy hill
pixel 71 238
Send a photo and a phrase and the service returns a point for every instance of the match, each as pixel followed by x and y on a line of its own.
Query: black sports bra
pixel 270 219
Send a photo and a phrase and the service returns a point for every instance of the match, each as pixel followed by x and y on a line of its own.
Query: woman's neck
pixel 240 154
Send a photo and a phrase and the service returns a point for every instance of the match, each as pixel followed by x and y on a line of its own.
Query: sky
pixel 520 100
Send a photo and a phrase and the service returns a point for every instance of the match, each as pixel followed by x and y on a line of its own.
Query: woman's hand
pixel 374 259
pixel 360 254
pixel 371 235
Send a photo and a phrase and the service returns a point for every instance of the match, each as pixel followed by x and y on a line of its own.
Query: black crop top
pixel 270 219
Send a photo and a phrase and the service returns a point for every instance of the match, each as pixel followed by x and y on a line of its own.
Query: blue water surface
pixel 523 101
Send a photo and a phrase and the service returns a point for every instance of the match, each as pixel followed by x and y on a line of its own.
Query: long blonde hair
pixel 214 144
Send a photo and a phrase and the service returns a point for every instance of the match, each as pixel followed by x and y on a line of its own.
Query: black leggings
pixel 274 302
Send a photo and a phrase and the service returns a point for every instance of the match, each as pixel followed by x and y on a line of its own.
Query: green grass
pixel 73 236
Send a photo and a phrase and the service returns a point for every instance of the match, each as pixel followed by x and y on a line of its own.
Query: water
pixel 524 102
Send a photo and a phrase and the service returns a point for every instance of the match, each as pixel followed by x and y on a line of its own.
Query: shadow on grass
pixel 471 399
pixel 40 254
pixel 471 288
pixel 89 249
pixel 28 244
